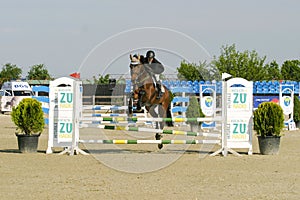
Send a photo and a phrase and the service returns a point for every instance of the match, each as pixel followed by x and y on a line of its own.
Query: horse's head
pixel 136 68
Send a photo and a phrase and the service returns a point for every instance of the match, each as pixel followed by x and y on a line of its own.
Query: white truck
pixel 12 93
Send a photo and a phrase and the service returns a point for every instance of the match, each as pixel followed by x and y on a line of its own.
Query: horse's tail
pixel 169 115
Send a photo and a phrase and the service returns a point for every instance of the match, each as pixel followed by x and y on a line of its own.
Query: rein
pixel 140 79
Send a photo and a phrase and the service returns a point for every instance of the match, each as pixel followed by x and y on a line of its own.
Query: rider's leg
pixel 160 88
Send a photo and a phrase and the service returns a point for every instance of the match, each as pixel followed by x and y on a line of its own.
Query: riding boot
pixel 159 95
pixel 138 106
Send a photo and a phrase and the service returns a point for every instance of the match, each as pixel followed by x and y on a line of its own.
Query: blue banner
pixel 260 99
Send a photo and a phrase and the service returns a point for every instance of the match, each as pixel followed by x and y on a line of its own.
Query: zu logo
pixel 66 127
pixel 66 98
pixel 240 97
pixel 239 128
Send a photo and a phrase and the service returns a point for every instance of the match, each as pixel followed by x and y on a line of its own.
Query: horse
pixel 145 93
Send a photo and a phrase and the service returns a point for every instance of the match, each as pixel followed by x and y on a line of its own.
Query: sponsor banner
pixel 238 99
pixel 239 104
pixel 207 106
pixel 286 103
pixel 238 129
pixel 260 99
pixel 64 130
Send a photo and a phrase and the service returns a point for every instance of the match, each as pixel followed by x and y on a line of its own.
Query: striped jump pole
pixel 112 115
pixel 93 122
pixel 135 119
pixel 152 130
pixel 150 141
pixel 106 107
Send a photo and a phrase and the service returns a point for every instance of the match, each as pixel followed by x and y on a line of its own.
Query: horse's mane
pixel 142 59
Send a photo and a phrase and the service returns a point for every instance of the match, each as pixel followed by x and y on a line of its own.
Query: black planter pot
pixel 269 145
pixel 28 143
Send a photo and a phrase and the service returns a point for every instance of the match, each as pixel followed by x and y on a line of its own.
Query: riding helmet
pixel 150 54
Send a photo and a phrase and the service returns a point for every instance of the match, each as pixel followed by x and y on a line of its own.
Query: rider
pixel 156 69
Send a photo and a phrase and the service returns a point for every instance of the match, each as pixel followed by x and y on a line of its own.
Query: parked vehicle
pixel 12 93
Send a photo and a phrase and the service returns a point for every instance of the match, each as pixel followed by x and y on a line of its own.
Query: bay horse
pixel 145 93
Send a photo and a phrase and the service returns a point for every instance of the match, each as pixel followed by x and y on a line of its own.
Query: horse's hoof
pixel 139 110
pixel 158 136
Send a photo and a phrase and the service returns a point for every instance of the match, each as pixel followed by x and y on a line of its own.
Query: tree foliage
pixel 273 72
pixel 194 110
pixel 28 116
pixel 10 72
pixel 268 119
pixel 101 79
pixel 189 72
pixel 290 70
pixel 245 64
pixel 193 72
pixel 38 72
pixel 296 110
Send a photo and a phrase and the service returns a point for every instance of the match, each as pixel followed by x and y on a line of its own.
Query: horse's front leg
pixel 130 106
pixel 160 125
pixel 158 136
pixel 141 93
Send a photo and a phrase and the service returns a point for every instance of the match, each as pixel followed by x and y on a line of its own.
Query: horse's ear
pixel 130 57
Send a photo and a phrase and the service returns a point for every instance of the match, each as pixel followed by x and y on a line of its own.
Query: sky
pixel 95 37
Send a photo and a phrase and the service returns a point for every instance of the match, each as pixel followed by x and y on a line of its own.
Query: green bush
pixel 268 119
pixel 194 110
pixel 296 112
pixel 28 116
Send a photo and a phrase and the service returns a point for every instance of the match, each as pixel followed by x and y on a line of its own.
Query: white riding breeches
pixel 157 77
pixel 157 80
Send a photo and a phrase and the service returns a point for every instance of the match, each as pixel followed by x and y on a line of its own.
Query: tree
pixel 245 64
pixel 101 79
pixel 188 71
pixel 272 71
pixel 193 72
pixel 290 70
pixel 38 72
pixel 10 72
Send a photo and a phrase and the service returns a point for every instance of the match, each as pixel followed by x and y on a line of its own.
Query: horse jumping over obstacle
pixel 145 93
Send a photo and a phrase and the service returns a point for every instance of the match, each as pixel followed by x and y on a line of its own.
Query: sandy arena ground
pixel 107 173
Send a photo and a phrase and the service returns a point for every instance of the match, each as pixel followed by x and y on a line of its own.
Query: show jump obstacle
pixel 65 116
pixel 65 109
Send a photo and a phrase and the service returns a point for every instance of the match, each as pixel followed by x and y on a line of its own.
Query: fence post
pixel 93 100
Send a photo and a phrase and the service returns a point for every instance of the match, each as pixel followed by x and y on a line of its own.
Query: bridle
pixel 138 74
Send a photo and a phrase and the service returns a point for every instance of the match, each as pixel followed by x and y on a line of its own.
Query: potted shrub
pixel 28 116
pixel 296 111
pixel 268 123
pixel 194 111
